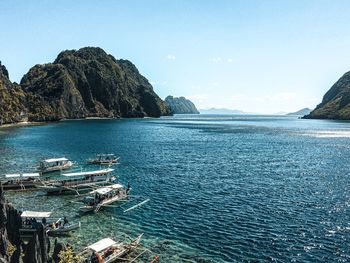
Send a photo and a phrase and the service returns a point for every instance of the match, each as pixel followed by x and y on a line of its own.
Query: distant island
pixel 181 105
pixel 301 112
pixel 335 103
pixel 80 83
pixel 221 111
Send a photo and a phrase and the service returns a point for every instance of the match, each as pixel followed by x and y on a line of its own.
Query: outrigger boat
pixel 54 164
pixel 108 251
pixel 60 228
pixel 104 159
pixel 80 181
pixel 103 197
pixel 22 181
pixel 31 220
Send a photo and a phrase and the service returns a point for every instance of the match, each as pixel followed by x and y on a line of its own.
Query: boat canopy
pixel 102 244
pixel 107 189
pixel 35 214
pixel 26 175
pixel 53 160
pixel 103 171
pixel 116 186
pixel 103 190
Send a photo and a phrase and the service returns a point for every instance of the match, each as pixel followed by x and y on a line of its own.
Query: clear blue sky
pixel 257 56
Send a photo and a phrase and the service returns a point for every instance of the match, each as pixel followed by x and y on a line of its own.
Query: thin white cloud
pixel 216 60
pixel 220 60
pixel 202 96
pixel 171 57
pixel 283 96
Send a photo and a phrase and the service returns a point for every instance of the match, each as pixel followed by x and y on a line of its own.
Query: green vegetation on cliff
pixel 79 83
pixel 12 99
pixel 335 103
pixel 89 83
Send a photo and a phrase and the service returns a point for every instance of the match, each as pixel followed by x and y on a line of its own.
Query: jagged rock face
pixel 181 105
pixel 89 83
pixel 12 99
pixel 336 102
pixel 55 254
pixel 9 229
pixel 38 247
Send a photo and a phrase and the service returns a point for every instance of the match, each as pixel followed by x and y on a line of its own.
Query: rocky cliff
pixel 335 103
pixel 89 83
pixel 12 99
pixel 181 105
pixel 12 248
pixel 79 83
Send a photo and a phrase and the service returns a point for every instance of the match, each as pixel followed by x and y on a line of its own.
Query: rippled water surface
pixel 222 188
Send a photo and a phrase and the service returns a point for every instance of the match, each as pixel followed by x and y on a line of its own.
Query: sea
pixel 222 188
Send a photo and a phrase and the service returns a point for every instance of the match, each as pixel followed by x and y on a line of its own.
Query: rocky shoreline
pixel 335 104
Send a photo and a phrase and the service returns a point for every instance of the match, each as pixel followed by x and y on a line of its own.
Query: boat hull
pixel 96 208
pixel 56 168
pixel 64 229
pixel 123 250
pixel 87 209
pixel 23 185
pixel 70 189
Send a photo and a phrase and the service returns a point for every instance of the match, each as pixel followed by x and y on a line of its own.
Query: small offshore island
pixel 181 105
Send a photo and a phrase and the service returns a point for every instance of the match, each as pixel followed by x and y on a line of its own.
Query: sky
pixel 255 56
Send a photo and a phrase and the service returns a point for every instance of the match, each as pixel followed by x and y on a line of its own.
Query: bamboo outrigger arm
pixel 137 205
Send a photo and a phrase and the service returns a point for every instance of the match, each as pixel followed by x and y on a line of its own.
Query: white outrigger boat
pixel 104 197
pixel 104 159
pixel 54 164
pixel 30 222
pixel 60 228
pixel 79 181
pixel 108 251
pixel 21 181
pixel 31 219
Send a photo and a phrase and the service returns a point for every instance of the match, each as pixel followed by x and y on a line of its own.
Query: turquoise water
pixel 222 188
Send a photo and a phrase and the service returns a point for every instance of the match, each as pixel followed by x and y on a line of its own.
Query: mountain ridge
pixel 12 99
pixel 181 105
pixel 79 83
pixel 303 112
pixel 336 101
